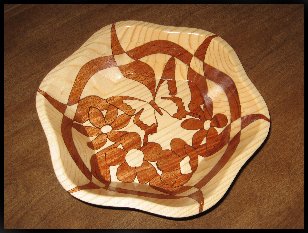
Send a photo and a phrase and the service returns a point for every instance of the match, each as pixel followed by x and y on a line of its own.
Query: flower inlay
pixel 132 153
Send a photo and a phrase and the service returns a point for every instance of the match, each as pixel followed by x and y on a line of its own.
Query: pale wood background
pixel 269 41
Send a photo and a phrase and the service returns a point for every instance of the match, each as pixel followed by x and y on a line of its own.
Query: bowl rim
pixel 53 137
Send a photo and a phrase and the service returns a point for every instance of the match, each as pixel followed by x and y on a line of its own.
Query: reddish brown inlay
pixel 192 124
pixel 202 49
pixel 246 120
pixel 169 76
pixel 57 105
pixel 100 170
pixel 90 185
pixel 198 196
pixel 115 43
pixel 140 72
pixel 85 73
pixel 198 89
pixel 83 108
pixel 161 46
pixel 228 85
pixel 181 111
pixel 155 106
pixel 148 129
pixel 219 120
pixel 220 164
pixel 66 131
pixel 200 109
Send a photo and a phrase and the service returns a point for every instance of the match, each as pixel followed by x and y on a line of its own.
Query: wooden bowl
pixel 151 117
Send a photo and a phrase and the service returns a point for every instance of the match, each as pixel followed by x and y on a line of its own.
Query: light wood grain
pixel 106 83
pixel 269 191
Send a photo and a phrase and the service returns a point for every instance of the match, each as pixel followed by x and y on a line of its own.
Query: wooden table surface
pixel 269 40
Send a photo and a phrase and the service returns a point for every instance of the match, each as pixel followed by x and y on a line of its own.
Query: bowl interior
pixel 151 109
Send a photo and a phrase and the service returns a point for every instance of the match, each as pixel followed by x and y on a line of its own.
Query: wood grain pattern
pixel 169 162
pixel 180 69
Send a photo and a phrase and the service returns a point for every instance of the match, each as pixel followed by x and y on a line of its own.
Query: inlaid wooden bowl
pixel 151 117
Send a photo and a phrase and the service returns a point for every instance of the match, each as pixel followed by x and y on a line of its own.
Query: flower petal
pixel 111 114
pixel 182 179
pixel 196 111
pixel 125 173
pixel 219 121
pixel 84 104
pixel 146 172
pixel 169 161
pixel 198 137
pixel 99 168
pixel 92 131
pixel 170 177
pixel 156 182
pixel 202 150
pixel 130 141
pixel 115 136
pixel 120 122
pixel 98 142
pixel 212 139
pixel 193 158
pixel 87 130
pixel 115 156
pixel 212 133
pixel 96 117
pixel 175 178
pixel 117 101
pixel 216 141
pixel 192 124
pixel 140 72
pixel 152 151
pixel 178 146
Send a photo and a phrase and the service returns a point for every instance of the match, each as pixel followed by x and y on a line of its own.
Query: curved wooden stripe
pixel 198 196
pixel 168 76
pixel 228 85
pixel 230 149
pixel 181 111
pixel 220 164
pixel 246 120
pixel 202 49
pixel 200 106
pixel 66 130
pixel 174 50
pixel 140 72
pixel 115 43
pixel 199 90
pixel 57 105
pixel 85 73
pixel 221 140
pixel 90 185
pixel 161 46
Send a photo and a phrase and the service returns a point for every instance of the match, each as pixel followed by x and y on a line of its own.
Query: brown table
pixel 269 40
